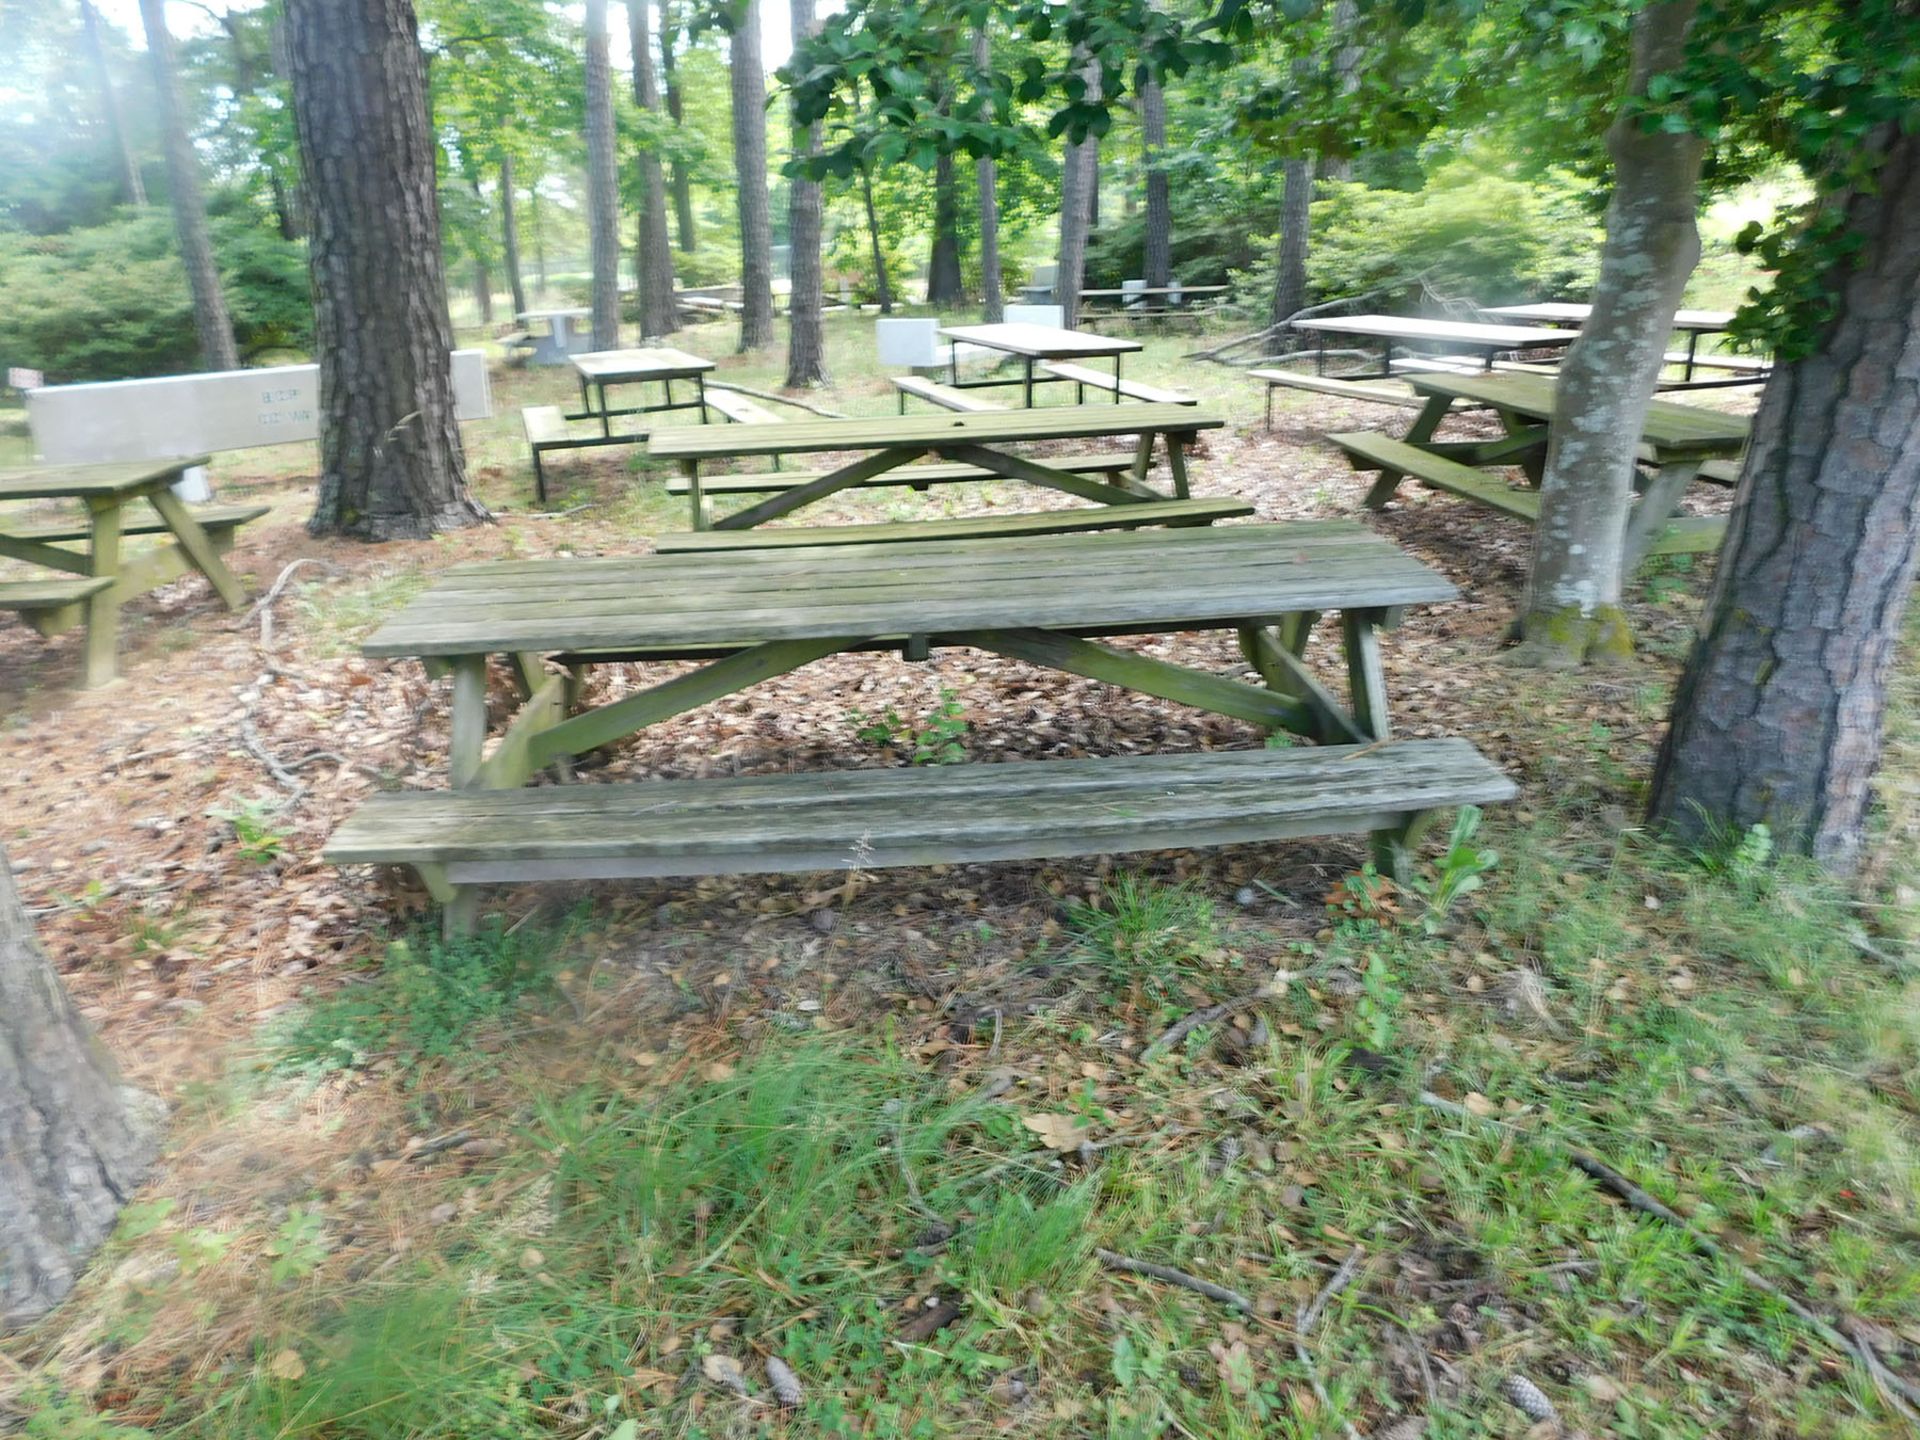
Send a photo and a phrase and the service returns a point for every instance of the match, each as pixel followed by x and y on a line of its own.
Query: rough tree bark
pixel 748 78
pixel 110 106
pixel 944 285
pixel 653 257
pixel 483 290
pixel 1571 613
pixel 682 181
pixel 510 236
pixel 1077 175
pixel 1290 259
pixel 391 462
pixel 993 286
pixel 806 330
pixel 74 1142
pixel 210 318
pixel 1778 719
pixel 603 185
pixel 1157 264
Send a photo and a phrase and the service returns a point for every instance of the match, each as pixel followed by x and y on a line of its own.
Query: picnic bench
pixel 599 371
pixel 1676 441
pixel 945 396
pixel 916 477
pixel 1032 344
pixel 1083 376
pixel 977 527
pixel 1048 601
pixel 559 339
pixel 1469 348
pixel 93 578
pixel 1748 369
pixel 740 409
pixel 886 444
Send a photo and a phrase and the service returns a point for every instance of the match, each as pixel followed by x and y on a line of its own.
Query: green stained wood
pixel 1670 427
pixel 1395 458
pixel 855 473
pixel 1104 380
pixel 1366 676
pixel 124 479
pixel 105 512
pixel 918 476
pixel 945 396
pixel 1655 507
pixel 1287 674
pixel 52 557
pixel 1034 472
pixel 686 692
pixel 1133 671
pixel 511 763
pixel 188 535
pixel 1059 422
pixel 1051 522
pixel 1690 535
pixel 214 519
pixel 468 733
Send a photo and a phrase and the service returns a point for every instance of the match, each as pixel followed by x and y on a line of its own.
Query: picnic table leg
pixel 1177 465
pixel 1029 380
pixel 1275 652
pixel 199 546
pixel 1693 345
pixel 103 608
pixel 469 723
pixel 1116 377
pixel 606 420
pixel 1366 678
pixel 1394 847
pixel 1428 420
pixel 695 494
pixel 701 382
pixel 1655 507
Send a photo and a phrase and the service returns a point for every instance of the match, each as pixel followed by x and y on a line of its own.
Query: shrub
pixel 110 302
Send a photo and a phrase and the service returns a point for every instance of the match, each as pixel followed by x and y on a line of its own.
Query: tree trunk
pixel 1571 613
pixel 1290 260
pixel 510 236
pixel 289 190
pixel 539 237
pixel 1778 718
pixel 391 462
pixel 110 107
pixel 993 285
pixel 682 181
pixel 806 330
pixel 944 285
pixel 883 288
pixel 653 258
pixel 483 290
pixel 603 185
pixel 748 78
pixel 1157 266
pixel 74 1143
pixel 1077 175
pixel 210 318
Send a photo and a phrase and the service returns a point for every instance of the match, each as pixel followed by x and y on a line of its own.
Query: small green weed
pixel 1457 873
pixel 253 821
pixel 299 1247
pixel 1143 928
pixel 935 741
pixel 1020 1244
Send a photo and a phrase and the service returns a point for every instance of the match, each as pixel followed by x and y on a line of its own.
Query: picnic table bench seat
pixel 219 521
pixel 982 527
pixel 1082 376
pixel 960 814
pixel 919 477
pixel 741 409
pixel 945 396
pixel 548 428
pixel 1395 458
pixel 52 605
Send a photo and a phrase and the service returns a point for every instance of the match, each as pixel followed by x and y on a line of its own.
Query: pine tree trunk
pixel 682 181
pixel 748 77
pixel 539 238
pixel 1290 260
pixel 1571 613
pixel 210 318
pixel 653 257
pixel 110 107
pixel 391 462
pixel 944 285
pixel 74 1143
pixel 1778 718
pixel 1077 175
pixel 1157 264
pixel 510 236
pixel 483 290
pixel 993 285
pixel 603 185
pixel 806 330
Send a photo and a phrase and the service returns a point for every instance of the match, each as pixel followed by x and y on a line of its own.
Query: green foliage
pixel 1458 872
pixel 298 1247
pixel 429 995
pixel 932 741
pixel 111 302
pixel 1144 929
pixel 1467 232
pixel 253 821
pixel 1019 1243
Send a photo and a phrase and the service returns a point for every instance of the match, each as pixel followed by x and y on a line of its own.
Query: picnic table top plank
pixel 81 482
pixel 570 312
pixel 658 362
pixel 1041 342
pixel 1669 426
pixel 887 432
pixel 1567 312
pixel 1160 579
pixel 1453 332
pixel 1158 290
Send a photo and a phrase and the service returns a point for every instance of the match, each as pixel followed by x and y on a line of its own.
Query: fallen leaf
pixel 287 1365
pixel 1064 1133
pixel 1477 1104
pixel 724 1370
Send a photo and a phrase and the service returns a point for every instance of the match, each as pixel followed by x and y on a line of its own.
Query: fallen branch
pixel 263 607
pixel 1116 1261
pixel 1308 1316
pixel 1187 1024
pixel 776 398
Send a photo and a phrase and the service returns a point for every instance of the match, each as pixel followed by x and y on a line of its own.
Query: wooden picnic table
pixel 662 365
pixel 1692 323
pixel 888 442
pixel 109 492
pixel 1479 342
pixel 1676 439
pixel 1032 344
pixel 562 339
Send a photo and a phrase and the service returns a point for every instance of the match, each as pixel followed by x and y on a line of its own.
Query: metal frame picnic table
pixel 659 364
pixel 753 616
pixel 1032 344
pixel 558 345
pixel 1486 341
pixel 1692 323
pixel 1679 439
pixel 107 491
pixel 888 442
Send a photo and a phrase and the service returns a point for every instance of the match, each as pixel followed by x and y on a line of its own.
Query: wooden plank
pixel 1040 342
pixel 106 514
pixel 1104 380
pixel 1286 673
pixel 1055 422
pixel 1333 385
pixel 1452 332
pixel 511 763
pixel 855 473
pixel 79 482
pixel 1670 426
pixel 195 541
pixel 212 518
pixel 1393 458
pixel 51 606
pixel 919 476
pixel 1051 522
pixel 685 692
pixel 1034 472
pixel 945 396
pixel 468 732
pixel 740 409
pixel 1690 535
pixel 1366 677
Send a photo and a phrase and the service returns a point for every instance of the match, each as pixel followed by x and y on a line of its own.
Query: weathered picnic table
pixel 1032 344
pixel 1476 344
pixel 656 365
pixel 93 581
pixel 561 340
pixel 1691 323
pixel 750 618
pixel 887 444
pixel 1676 441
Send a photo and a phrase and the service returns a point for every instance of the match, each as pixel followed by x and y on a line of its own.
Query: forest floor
pixel 589 1174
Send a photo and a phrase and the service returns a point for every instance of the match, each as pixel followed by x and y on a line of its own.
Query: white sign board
pixel 176 415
